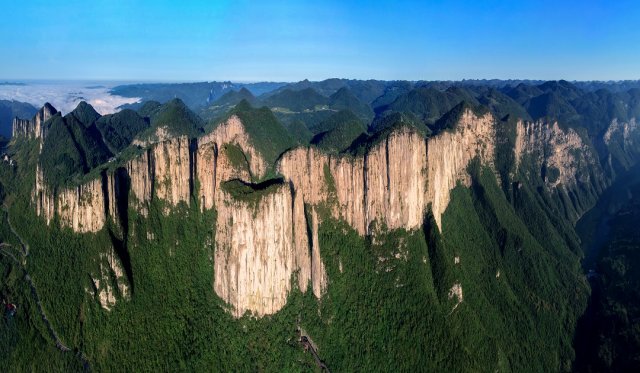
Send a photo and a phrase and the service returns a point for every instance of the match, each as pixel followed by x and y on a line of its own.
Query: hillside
pixel 226 102
pixel 297 101
pixel 428 104
pixel 344 99
pixel 73 146
pixel 172 117
pixel 120 129
pixel 338 132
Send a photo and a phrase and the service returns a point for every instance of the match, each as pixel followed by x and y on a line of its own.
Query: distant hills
pixel 11 109
pixel 375 101
pixel 195 95
pixel 333 114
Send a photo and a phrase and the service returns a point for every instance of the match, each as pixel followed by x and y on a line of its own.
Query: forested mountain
pixel 195 95
pixel 385 225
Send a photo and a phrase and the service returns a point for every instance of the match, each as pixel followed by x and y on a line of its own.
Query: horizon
pixel 18 81
pixel 241 41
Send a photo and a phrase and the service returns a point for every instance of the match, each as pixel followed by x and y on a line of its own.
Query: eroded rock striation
pixel 568 165
pixel 395 181
pixel 33 128
pixel 268 237
pixel 255 251
pixel 622 139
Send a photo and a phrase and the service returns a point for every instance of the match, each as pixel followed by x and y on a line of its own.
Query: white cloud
pixel 65 96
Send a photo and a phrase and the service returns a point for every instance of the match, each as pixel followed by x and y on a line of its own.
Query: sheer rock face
pixel 82 208
pixel 172 170
pixel 349 189
pixel 395 181
pixel 43 197
pixel 259 244
pixel 255 254
pixel 33 128
pixel 554 148
pixel 318 272
pixel 206 167
pixel 449 154
pixel 305 168
pixel 623 141
pixel 141 177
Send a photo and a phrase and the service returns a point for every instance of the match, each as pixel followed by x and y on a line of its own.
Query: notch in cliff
pixel 263 132
pixel 249 192
pixel 451 119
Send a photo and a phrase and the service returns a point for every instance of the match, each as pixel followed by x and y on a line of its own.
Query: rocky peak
pixel 34 128
pixel 84 113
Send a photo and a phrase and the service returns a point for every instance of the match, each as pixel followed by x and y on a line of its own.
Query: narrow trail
pixel 308 345
pixel 25 251
pixel 25 246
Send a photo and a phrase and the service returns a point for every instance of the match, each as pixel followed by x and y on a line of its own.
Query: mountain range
pixel 383 224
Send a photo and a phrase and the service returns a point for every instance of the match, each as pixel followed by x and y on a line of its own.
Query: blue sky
pixel 255 40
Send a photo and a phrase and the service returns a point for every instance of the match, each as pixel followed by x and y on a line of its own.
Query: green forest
pixel 507 283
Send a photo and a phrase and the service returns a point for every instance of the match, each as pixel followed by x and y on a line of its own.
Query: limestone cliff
pixel 264 242
pixel 141 174
pixel 43 197
pixel 565 162
pixel 206 164
pixel 33 128
pixel 82 208
pixel 397 178
pixel 449 153
pixel 254 257
pixel 622 139
pixel 172 170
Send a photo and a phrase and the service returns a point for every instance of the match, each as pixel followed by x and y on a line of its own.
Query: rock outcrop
pixel 565 162
pixel 232 131
pixel 622 140
pixel 33 128
pixel 110 283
